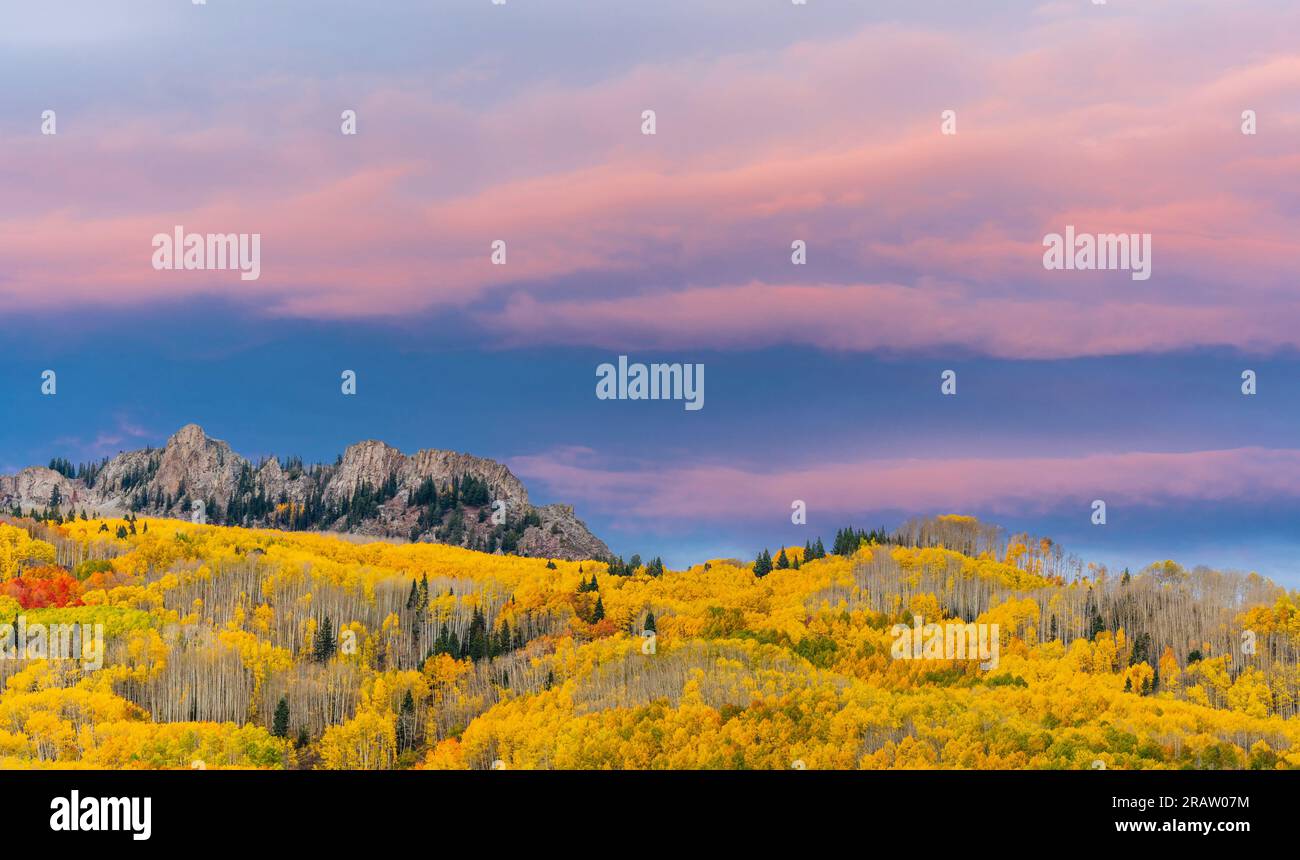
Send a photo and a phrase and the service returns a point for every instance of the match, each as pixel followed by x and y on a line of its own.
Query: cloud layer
pixel 917 240
pixel 1016 486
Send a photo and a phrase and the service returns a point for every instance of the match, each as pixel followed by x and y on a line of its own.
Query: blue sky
pixel 775 122
pixel 272 387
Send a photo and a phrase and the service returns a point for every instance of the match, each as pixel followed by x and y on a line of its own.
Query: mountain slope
pixel 392 656
pixel 373 489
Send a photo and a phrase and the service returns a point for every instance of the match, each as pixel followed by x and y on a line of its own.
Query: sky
pixel 774 122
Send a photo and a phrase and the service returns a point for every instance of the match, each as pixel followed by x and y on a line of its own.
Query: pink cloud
pixel 1000 485
pixel 125 434
pixel 915 239
pixel 884 317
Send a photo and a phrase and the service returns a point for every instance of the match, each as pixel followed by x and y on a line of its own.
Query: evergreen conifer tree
pixel 280 725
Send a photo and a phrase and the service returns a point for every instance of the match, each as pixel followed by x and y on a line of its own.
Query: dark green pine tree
pixel 649 622
pixel 763 564
pixel 782 561
pixel 847 541
pixel 820 549
pixel 1097 625
pixel 598 614
pixel 414 597
pixel 324 646
pixel 406 740
pixel 280 725
pixel 1141 650
pixel 476 639
pixel 504 639
pixel 423 603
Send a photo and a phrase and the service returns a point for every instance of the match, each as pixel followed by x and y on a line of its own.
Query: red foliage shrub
pixel 42 587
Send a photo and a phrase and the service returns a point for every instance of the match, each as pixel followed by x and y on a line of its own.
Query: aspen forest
pixel 229 647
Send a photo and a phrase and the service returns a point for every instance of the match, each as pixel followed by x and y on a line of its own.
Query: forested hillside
pixel 235 647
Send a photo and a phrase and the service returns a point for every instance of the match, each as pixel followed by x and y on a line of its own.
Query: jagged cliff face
pixel 374 489
pixel 36 482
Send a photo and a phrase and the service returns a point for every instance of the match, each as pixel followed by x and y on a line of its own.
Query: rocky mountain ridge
pixel 372 489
